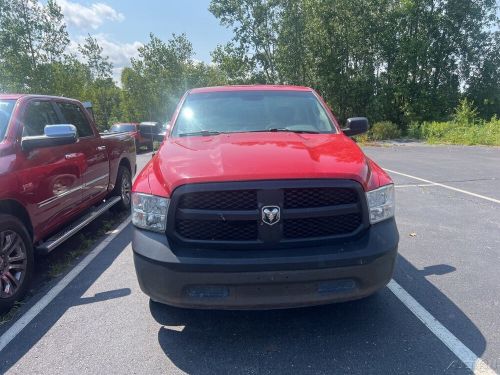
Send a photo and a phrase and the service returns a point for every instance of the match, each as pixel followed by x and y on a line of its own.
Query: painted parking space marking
pixel 38 307
pixel 445 186
pixel 472 361
pixel 413 185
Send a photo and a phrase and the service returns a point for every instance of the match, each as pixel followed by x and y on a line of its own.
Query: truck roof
pixel 18 96
pixel 193 91
pixel 250 88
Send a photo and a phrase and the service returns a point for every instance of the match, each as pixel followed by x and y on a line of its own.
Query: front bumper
pixel 225 279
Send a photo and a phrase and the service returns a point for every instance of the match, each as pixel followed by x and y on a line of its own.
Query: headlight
pixel 149 212
pixel 381 203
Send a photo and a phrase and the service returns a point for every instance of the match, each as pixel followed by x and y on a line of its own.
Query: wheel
pixel 16 261
pixel 123 189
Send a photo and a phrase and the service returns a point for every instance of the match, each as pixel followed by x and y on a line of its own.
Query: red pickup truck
pixel 258 199
pixel 141 137
pixel 57 173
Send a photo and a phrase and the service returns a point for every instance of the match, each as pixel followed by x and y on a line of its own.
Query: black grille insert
pixel 220 200
pixel 321 226
pixel 218 230
pixel 319 197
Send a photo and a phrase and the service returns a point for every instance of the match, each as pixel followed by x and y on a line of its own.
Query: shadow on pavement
pixel 438 269
pixel 71 296
pixel 104 296
pixel 375 335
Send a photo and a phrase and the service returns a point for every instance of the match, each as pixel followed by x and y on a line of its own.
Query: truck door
pixel 50 178
pixel 96 170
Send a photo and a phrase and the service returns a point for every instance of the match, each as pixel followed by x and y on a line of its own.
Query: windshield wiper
pixel 204 133
pixel 274 130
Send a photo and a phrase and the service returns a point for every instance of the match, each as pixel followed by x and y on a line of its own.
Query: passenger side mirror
pixel 54 135
pixel 356 125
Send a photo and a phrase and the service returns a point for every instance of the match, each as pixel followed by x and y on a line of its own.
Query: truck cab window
pixel 6 107
pixel 37 115
pixel 74 115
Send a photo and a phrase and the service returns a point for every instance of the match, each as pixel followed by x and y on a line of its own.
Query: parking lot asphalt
pixel 449 257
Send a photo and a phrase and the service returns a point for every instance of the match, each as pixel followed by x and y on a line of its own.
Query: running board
pixel 57 239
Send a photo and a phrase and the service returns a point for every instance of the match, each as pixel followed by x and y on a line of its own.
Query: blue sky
pixel 121 26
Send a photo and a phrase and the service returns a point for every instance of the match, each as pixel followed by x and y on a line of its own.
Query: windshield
pixel 6 107
pixel 123 128
pixel 252 111
pixel 151 128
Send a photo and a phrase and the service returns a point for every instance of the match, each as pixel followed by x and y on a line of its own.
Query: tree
pixel 160 75
pixel 32 37
pixel 255 24
pixel 99 65
pixel 398 60
pixel 100 88
pixel 484 81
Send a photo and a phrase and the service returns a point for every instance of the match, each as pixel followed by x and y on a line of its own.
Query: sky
pixel 121 26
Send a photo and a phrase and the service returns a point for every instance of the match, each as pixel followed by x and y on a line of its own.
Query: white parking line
pixel 413 185
pixel 445 186
pixel 472 361
pixel 29 315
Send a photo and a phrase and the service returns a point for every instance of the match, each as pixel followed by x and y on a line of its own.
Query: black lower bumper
pixel 201 278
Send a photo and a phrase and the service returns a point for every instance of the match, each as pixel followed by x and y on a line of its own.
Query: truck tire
pixel 16 261
pixel 123 189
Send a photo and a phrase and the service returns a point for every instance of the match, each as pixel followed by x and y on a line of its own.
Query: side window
pixel 73 115
pixel 37 115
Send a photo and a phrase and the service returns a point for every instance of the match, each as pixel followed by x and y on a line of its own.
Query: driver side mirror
pixel 356 125
pixel 54 135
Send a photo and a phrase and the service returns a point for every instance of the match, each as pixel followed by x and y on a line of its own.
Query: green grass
pixel 479 132
pixel 59 267
pixel 380 131
pixel 9 315
pixel 464 128
pixel 84 241
pixel 460 133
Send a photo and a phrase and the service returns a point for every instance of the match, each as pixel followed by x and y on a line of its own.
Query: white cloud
pixel 91 16
pixel 119 53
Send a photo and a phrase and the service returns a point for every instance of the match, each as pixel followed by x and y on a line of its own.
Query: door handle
pixel 71 156
pixel 101 148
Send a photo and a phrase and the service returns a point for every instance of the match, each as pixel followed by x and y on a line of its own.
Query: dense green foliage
pixel 402 62
pixel 464 128
pixel 396 60
pixel 480 133
pixel 160 75
pixel 384 130
pixel 34 58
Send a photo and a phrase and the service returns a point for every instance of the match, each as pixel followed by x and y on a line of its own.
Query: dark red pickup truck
pixel 57 173
pixel 258 199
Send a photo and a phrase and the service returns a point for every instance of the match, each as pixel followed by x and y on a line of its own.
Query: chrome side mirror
pixel 54 135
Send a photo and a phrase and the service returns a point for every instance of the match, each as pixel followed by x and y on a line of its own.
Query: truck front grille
pixel 232 213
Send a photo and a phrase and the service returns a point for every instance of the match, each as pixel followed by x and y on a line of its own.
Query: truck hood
pixel 256 156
